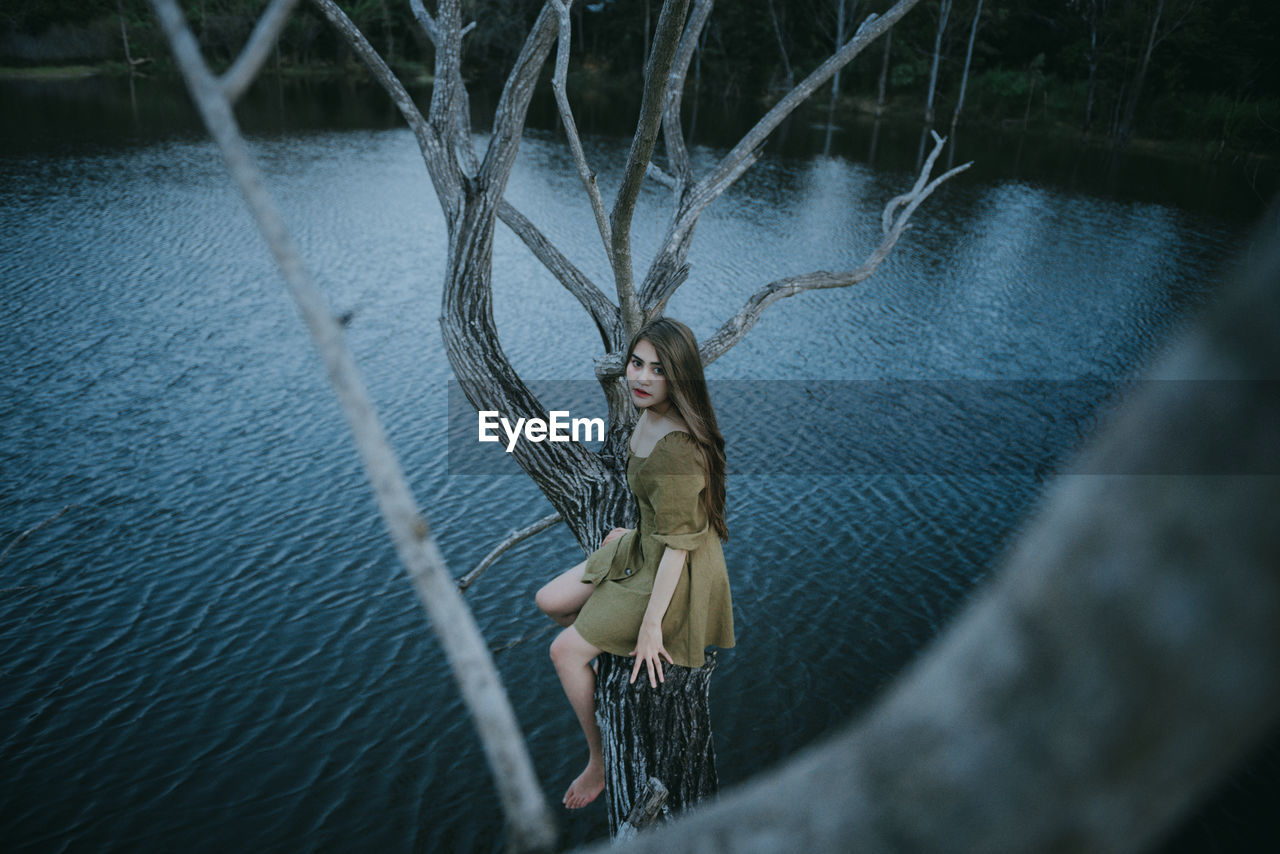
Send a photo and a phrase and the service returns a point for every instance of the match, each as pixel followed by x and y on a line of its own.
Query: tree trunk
pixel 586 489
pixel 782 47
pixel 964 77
pixel 1031 91
pixel 839 42
pixel 124 37
pixel 884 73
pixel 944 11
pixel 644 47
pixel 388 31
pixel 649 734
pixel 1093 69
pixel 1131 106
pixel 835 80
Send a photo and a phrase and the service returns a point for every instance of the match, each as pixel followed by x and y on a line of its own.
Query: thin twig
pixel 897 213
pixel 558 86
pixel 669 181
pixel 512 539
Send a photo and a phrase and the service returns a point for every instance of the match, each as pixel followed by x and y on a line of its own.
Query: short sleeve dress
pixel 668 487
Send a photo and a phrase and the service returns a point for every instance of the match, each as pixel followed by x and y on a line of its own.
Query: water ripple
pixel 217 626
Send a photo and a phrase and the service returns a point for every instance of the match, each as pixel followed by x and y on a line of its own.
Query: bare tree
pixel 790 79
pixel 1093 11
pixel 964 77
pixel 587 490
pixel 1123 660
pixel 1161 26
pixel 944 12
pixel 844 15
pixel 845 12
pixel 884 74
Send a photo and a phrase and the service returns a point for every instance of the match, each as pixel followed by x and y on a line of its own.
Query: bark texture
pixel 661 734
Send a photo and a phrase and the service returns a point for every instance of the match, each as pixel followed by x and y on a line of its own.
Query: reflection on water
pixel 60 115
pixel 213 643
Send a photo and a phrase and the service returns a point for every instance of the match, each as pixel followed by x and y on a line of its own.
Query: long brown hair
pixel 677 351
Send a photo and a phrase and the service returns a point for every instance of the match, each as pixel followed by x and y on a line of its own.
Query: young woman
pixel 660 591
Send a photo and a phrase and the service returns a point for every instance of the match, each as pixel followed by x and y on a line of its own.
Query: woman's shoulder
pixel 676 441
pixel 651 432
pixel 676 451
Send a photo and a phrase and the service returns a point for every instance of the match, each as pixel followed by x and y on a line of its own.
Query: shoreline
pixel 54 72
pixel 849 108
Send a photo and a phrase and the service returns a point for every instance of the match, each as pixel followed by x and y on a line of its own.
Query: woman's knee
pixel 559 650
pixel 569 649
pixel 545 598
pixel 563 596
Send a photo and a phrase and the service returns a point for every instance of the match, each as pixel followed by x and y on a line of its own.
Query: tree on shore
pixel 968 59
pixel 1161 18
pixel 944 13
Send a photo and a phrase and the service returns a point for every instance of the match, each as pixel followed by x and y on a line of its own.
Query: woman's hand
pixel 650 652
pixel 613 535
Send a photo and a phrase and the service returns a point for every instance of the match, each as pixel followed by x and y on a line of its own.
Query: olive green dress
pixel 668 485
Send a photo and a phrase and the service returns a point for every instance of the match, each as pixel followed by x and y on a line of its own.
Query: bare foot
pixel 586 788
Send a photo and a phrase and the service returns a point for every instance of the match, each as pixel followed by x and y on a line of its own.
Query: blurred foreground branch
pixel 1124 660
pixel 530 823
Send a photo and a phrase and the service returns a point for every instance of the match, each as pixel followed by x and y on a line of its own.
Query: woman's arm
pixel 613 535
pixel 649 644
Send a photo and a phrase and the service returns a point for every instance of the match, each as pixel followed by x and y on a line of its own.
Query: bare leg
pixel 562 597
pixel 572 656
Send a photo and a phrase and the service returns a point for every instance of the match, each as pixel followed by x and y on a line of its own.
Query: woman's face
pixel 646 379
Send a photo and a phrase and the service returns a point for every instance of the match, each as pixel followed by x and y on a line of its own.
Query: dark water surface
pixel 206 641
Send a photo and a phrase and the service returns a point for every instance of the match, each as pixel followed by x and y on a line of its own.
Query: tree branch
pixel 460 127
pixel 514 538
pixel 669 181
pixel 661 56
pixel 425 20
pixel 887 219
pixel 513 104
pixel 585 172
pixel 442 168
pixel 733 330
pixel 530 821
pixel 672 132
pixel 448 45
pixel 659 283
pixel 601 310
pixel 729 168
pixel 237 78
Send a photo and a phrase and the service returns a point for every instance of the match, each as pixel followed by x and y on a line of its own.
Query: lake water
pixel 206 641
